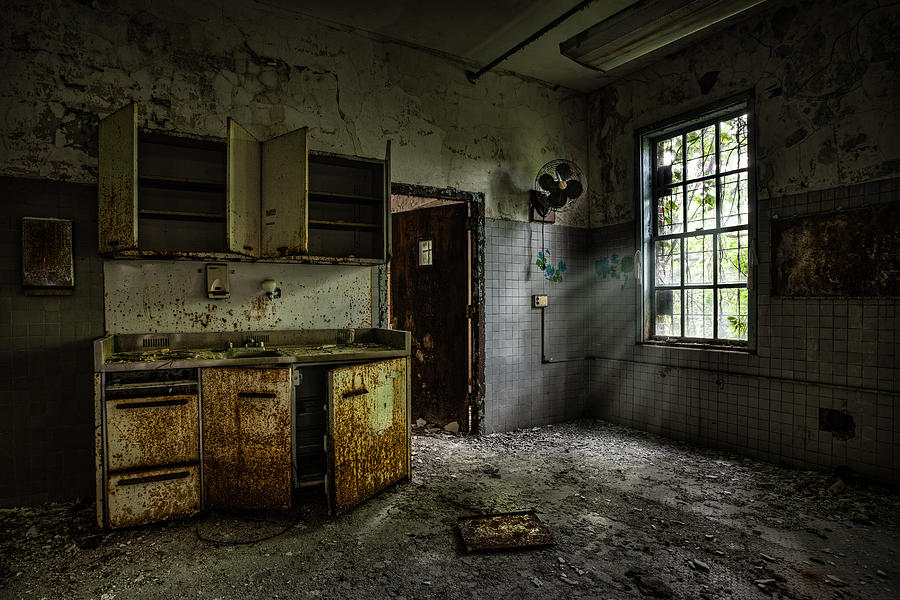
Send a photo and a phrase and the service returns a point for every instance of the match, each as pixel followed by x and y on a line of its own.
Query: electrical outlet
pixel 539 301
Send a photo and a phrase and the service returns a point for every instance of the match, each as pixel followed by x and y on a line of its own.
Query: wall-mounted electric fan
pixel 557 186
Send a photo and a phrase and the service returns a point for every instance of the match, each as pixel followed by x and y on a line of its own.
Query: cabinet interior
pixel 181 194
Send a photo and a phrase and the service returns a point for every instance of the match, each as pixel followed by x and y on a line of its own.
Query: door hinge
pixel 471 399
pixel 471 311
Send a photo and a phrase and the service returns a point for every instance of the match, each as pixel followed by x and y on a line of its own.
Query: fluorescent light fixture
pixel 645 26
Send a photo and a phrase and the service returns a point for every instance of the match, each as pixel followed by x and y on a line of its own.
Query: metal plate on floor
pixel 504 531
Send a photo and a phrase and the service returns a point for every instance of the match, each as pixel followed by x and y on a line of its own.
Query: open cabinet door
pixel 243 207
pixel 368 430
pixel 117 181
pixel 285 189
pixel 386 251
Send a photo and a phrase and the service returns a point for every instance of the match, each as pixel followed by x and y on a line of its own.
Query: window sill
pixel 743 349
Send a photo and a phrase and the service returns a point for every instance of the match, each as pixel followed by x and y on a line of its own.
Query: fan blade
pixel 547 182
pixel 573 188
pixel 563 171
pixel 557 199
pixel 539 202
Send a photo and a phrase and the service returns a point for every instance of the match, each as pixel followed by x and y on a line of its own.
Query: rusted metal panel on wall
pixel 153 495
pixel 368 430
pixel 285 189
pixel 846 253
pixel 47 264
pixel 243 190
pixel 143 432
pixel 247 437
pixel 117 181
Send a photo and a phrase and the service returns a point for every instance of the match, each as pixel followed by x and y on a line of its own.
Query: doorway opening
pixel 436 291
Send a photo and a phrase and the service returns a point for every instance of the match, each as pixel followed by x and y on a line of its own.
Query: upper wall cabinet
pixel 162 195
pixel 349 207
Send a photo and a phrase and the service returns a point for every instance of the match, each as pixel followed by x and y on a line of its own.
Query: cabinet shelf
pixel 342 225
pixel 181 215
pixel 337 196
pixel 181 183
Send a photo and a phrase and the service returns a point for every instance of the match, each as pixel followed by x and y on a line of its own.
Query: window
pixel 425 253
pixel 697 212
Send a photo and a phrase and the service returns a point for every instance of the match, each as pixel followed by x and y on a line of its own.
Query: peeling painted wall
pixel 825 76
pixel 163 296
pixel 191 65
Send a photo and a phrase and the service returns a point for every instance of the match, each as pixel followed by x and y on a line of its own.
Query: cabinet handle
pixel 152 404
pixel 257 395
pixel 152 478
pixel 361 392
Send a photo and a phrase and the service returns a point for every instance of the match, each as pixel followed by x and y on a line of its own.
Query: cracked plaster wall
pixel 825 79
pixel 191 65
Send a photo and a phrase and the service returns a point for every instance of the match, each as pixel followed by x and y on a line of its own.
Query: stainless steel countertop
pixel 174 351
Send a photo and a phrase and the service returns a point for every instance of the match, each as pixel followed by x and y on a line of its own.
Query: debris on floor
pixel 504 531
pixel 633 516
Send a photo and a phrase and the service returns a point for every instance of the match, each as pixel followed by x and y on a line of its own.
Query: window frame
pixel 645 142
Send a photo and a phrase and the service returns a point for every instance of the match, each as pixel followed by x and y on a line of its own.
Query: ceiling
pixel 478 30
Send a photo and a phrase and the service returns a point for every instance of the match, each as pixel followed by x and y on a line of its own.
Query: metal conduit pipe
pixel 474 76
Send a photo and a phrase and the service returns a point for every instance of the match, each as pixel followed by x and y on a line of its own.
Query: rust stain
pixel 369 430
pixel 142 497
pixel 143 432
pixel 247 437
pixel 502 531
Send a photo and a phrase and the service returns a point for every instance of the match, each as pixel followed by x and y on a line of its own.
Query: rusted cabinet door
pixel 117 181
pixel 242 204
pixel 368 430
pixel 247 437
pixel 285 193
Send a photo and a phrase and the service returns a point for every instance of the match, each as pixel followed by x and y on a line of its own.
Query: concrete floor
pixel 633 515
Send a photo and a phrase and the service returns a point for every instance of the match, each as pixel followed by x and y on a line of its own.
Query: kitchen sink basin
pixel 250 352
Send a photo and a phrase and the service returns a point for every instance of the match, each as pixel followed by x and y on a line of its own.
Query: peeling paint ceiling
pixel 476 30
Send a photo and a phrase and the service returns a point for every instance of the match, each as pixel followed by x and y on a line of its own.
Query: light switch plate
pixel 539 301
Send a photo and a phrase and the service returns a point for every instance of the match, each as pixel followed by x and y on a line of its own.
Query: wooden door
pixel 430 301
pixel 368 430
pixel 247 437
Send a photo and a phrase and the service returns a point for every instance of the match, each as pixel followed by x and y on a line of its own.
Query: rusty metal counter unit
pixel 192 421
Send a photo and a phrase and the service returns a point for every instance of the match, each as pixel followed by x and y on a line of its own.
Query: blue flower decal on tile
pixel 551 273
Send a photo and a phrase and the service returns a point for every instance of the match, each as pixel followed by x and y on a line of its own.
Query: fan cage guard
pixel 538 193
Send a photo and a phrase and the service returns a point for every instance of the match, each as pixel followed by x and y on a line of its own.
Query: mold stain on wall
pixel 837 104
pixel 190 66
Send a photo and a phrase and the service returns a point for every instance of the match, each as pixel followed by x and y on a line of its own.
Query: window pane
pixel 733 323
pixel 698 313
pixel 668 312
pixel 668 262
pixel 734 257
pixel 734 199
pixel 733 144
pixel 698 259
pixel 669 161
pixel 701 205
pixel 701 152
pixel 669 217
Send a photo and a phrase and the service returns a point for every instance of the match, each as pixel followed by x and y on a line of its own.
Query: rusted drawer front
pixel 148 432
pixel 153 495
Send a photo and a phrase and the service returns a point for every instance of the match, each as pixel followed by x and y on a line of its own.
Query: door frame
pixel 475 203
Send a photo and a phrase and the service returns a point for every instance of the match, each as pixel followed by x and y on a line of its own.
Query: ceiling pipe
pixel 474 76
